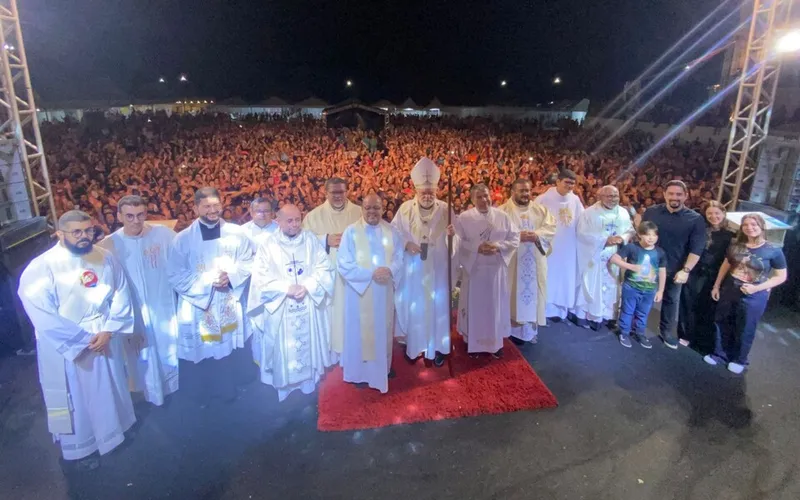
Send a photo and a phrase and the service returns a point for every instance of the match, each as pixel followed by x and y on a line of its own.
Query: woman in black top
pixel 696 318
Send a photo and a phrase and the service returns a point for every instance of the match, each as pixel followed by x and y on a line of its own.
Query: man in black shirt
pixel 682 236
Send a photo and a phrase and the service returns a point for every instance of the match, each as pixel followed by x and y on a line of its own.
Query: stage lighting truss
pixel 755 98
pixel 18 119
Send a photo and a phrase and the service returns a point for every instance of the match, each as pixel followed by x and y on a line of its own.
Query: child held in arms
pixel 645 274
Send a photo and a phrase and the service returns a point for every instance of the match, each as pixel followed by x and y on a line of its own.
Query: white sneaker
pixel 735 368
pixel 710 359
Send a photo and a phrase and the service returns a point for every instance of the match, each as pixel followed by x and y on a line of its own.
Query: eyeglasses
pixel 76 234
pixel 139 217
pixel 263 212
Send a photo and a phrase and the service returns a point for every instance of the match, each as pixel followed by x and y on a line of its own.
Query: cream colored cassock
pixel 599 285
pixel 484 306
pixel 423 299
pixel 322 221
pixel 69 298
pixel 154 369
pixel 527 270
pixel 369 306
pixel 210 321
pixel 291 342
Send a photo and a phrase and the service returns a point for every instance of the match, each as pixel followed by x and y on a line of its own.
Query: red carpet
pixel 418 394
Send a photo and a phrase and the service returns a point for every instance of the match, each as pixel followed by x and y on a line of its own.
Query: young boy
pixel 642 285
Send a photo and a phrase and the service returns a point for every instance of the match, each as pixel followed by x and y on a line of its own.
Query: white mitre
pixel 425 174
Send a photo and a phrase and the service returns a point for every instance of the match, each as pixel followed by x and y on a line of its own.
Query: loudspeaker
pixel 20 242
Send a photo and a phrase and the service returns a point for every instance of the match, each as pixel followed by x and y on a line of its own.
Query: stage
pixel 631 424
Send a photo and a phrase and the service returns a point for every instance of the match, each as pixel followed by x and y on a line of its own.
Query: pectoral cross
pixel 611 228
pixel 294 269
pixel 486 234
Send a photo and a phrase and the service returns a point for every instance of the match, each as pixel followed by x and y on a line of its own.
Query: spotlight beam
pixel 663 56
pixel 658 95
pixel 680 126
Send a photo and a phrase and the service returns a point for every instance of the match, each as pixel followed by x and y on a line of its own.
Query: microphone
pixel 424 253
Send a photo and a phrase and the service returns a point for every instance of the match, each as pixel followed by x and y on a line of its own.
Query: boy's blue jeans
pixel 634 307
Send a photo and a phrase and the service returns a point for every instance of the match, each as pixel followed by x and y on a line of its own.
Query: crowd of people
pixel 314 247
pixel 165 159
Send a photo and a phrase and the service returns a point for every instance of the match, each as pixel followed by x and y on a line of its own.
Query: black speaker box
pixel 20 242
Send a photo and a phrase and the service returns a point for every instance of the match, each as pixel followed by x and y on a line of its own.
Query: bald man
pixel 370 260
pixel 291 287
pixel 602 228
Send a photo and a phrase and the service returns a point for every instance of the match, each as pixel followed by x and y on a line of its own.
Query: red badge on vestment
pixel 89 279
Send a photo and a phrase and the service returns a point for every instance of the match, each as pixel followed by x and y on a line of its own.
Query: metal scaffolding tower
pixel 18 119
pixel 754 101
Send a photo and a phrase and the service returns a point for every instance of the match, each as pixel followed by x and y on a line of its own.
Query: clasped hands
pixel 222 282
pixel 382 275
pixel 297 292
pixel 334 240
pixel 614 240
pixel 528 237
pixel 99 341
pixel 488 248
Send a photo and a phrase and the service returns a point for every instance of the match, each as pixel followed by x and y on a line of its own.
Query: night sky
pixel 458 51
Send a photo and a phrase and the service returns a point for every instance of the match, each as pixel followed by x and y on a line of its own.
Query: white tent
pixel 312 106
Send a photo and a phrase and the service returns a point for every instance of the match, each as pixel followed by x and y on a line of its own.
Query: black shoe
pixel 581 322
pixel 88 464
pixel 595 325
pixel 625 340
pixel 438 360
pixel 392 374
pixel 498 354
pixel 644 341
pixel 611 324
pixel 517 341
pixel 671 343
pixel 555 319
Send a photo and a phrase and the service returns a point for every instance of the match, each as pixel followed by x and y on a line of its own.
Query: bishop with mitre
pixel 423 299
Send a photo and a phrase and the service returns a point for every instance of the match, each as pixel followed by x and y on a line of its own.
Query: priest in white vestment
pixel 487 240
pixel 291 289
pixel 209 267
pixel 261 223
pixel 142 250
pixel 423 299
pixel 602 228
pixel 527 271
pixel 562 265
pixel 77 299
pixel 328 221
pixel 257 229
pixel 370 262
